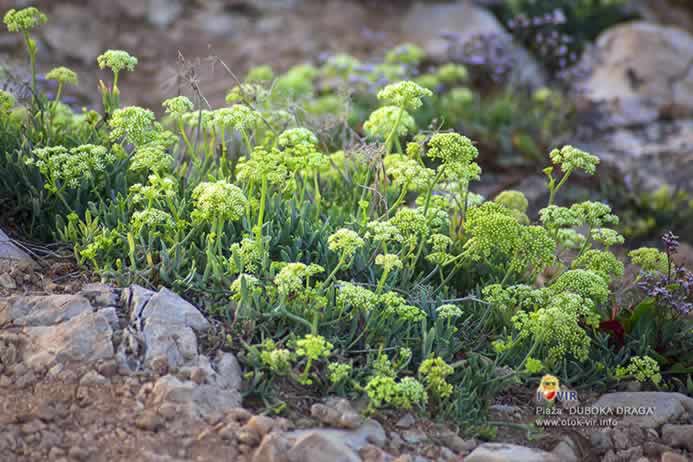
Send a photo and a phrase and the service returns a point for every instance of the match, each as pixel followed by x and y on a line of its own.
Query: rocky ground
pixel 90 372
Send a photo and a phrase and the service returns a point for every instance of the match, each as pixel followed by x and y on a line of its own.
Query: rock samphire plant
pixel 369 269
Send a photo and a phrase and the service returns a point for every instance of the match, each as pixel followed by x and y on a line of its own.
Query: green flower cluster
pixel 434 372
pixel 594 214
pixel 248 254
pixel 70 168
pixel 452 149
pixel 238 116
pixel 382 122
pixel 386 391
pixel 388 262
pixel 156 221
pixel 278 360
pixel 410 175
pixel 263 163
pixel 406 95
pixel 607 237
pixel 410 223
pixel 448 311
pixel 117 60
pixel 404 312
pixel 151 158
pixel 159 187
pixel 650 259
pixel 587 284
pixel 533 365
pixel 290 278
pixel 7 102
pixel 642 368
pixel 293 137
pixel 339 372
pixel 345 242
pixel 134 124
pixel 514 200
pixel 178 106
pixel 570 159
pixel 554 217
pixel 406 53
pixel 313 347
pixel 451 73
pixel 218 201
pixel 440 243
pixel 601 262
pixel 62 75
pixel 556 328
pixel 24 20
pixel 383 231
pixel 358 298
pixel 248 280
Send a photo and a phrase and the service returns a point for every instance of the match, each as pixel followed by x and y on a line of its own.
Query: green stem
pixel 399 200
pixel 246 141
pixel 388 140
pixel 554 190
pixel 261 214
pixel 329 279
pixel 32 59
pixel 381 282
pixel 183 135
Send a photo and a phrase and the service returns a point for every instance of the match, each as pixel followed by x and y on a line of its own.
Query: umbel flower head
pixel 410 223
pixel 382 121
pixel 24 20
pixel 556 327
pixel 135 124
pixel 339 372
pixel 434 372
pixel 570 159
pixel 357 297
pixel 293 137
pixel 452 148
pixel 607 237
pixel 154 220
pixel 406 95
pixel 601 262
pixel 514 200
pixel 218 200
pixel 448 311
pixel 345 242
pixel 313 347
pixel 263 163
pixel 594 214
pixel 178 106
pixel 70 167
pixel 151 158
pixel 117 60
pixel 407 53
pixel 642 368
pixel 238 116
pixel 650 259
pixel 62 75
pixel 7 101
pixel 410 174
pixel 452 73
pixel 388 261
pixel 585 283
pixel 383 231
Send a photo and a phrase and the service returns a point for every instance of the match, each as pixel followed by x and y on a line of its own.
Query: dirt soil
pixel 241 33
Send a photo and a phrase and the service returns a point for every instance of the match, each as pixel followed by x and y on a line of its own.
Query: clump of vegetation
pixel 357 270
